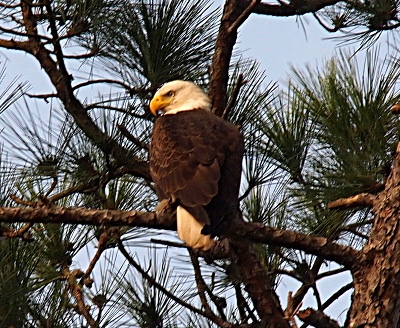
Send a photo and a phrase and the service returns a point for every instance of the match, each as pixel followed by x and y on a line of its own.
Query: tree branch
pixel 243 16
pixel 320 246
pixel 337 294
pixel 232 101
pixel 360 200
pixel 132 91
pixel 217 320
pixel 61 80
pixel 317 319
pixel 294 8
pixel 85 216
pixel 202 287
pixel 225 42
pixel 76 291
pixel 257 232
pixel 14 45
pixel 22 233
pixel 258 284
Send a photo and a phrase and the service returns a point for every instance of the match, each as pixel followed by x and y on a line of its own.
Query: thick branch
pixel 317 319
pixel 223 52
pixel 58 214
pixel 293 8
pixel 62 83
pixel 360 200
pixel 14 45
pixel 258 284
pixel 320 246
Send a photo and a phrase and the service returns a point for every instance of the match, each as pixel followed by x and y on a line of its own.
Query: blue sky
pixel 277 42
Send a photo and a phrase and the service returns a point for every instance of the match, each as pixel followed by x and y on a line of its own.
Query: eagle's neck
pixel 191 104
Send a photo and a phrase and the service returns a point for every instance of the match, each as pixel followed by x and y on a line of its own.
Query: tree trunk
pixel 376 299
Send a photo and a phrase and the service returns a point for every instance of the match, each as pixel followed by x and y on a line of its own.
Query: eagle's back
pixel 196 158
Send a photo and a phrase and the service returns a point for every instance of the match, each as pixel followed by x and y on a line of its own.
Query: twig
pixel 131 90
pixel 101 247
pixel 168 243
pixel 244 15
pixel 240 301
pixel 53 185
pixel 327 28
pixel 219 302
pixel 132 138
pixel 329 273
pixel 8 6
pixel 17 233
pixel 217 320
pixel 43 96
pixel 201 285
pixel 76 291
pixel 354 231
pixel 83 56
pixel 318 318
pixel 336 295
pixel 232 101
pixel 20 201
pixel 290 312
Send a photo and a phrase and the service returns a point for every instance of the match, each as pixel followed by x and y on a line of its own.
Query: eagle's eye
pixel 170 93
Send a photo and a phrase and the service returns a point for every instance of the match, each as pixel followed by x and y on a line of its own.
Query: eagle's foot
pixel 165 206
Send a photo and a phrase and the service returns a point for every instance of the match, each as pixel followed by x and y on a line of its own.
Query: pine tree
pixel 81 244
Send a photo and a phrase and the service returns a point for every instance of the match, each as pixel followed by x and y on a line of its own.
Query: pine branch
pixel 337 294
pixel 360 200
pixel 101 247
pixel 58 214
pixel 225 42
pixel 232 101
pixel 217 320
pixel 293 8
pixel 258 284
pixel 309 282
pixel 22 233
pixel 202 287
pixel 61 80
pixel 76 291
pixel 131 90
pixel 317 319
pixel 257 232
pixel 320 246
pixel 243 16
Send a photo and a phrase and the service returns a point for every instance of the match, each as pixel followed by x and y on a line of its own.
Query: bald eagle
pixel 195 161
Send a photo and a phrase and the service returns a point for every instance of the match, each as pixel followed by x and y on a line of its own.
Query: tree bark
pixel 376 300
pixel 226 40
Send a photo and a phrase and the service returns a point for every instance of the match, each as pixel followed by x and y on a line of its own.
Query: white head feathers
pixel 178 96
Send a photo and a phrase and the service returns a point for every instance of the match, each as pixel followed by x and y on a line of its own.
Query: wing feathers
pixel 195 158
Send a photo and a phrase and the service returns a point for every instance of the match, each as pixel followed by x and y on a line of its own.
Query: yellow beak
pixel 158 103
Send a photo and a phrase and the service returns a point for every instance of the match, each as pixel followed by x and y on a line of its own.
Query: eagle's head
pixel 178 96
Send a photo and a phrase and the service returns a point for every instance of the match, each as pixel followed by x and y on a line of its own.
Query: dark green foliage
pixel 154 42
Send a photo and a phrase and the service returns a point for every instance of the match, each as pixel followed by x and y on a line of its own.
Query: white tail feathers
pixel 189 230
